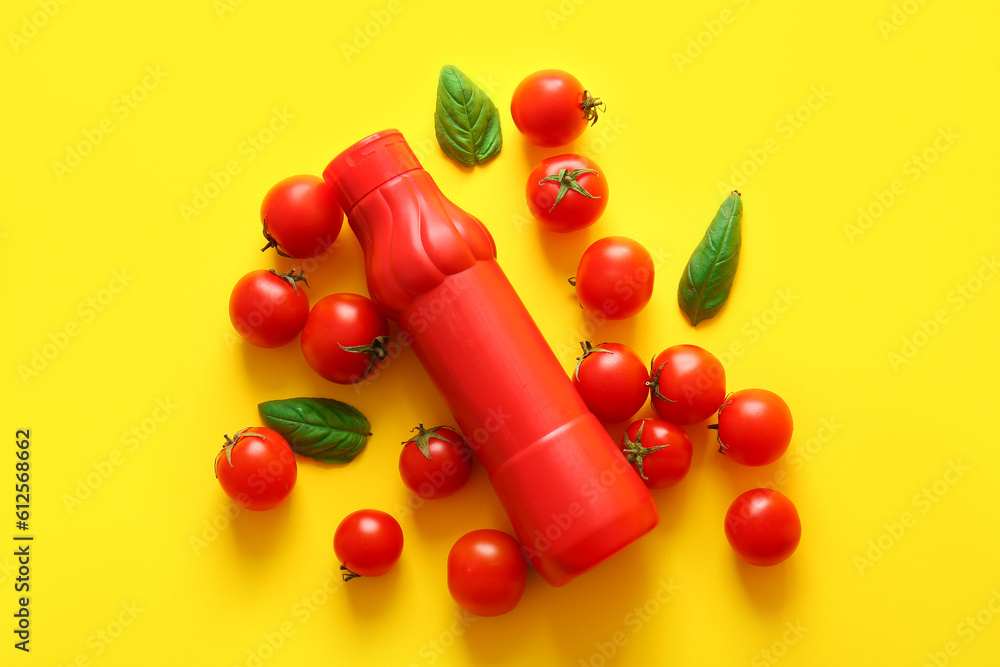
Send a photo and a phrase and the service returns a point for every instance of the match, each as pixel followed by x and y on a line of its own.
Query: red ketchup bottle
pixel 567 489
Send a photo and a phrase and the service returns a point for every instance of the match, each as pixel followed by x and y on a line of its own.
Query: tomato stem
pixel 654 381
pixel 635 452
pixel 423 438
pixel 231 442
pixel 271 243
pixel 376 351
pixel 567 181
pixel 588 349
pixel 590 106
pixel 718 436
pixel 291 278
pixel 722 446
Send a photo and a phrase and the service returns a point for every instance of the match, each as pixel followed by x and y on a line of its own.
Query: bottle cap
pixel 369 163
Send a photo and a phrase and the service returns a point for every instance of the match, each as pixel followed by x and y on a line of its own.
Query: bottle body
pixel 571 497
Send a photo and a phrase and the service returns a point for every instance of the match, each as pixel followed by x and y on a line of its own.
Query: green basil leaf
pixel 319 428
pixel 466 122
pixel 709 274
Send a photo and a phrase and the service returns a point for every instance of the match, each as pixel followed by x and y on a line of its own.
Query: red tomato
pixel 614 278
pixel 658 450
pixel 436 462
pixel 487 572
pixel 267 308
pixel 367 543
pixel 567 192
pixel 763 527
pixel 611 379
pixel 256 468
pixel 687 384
pixel 551 108
pixel 755 427
pixel 344 337
pixel 301 216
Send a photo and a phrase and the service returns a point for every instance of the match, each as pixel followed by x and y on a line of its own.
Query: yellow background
pixel 141 565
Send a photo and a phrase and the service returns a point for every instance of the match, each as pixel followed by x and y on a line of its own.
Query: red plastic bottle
pixel 568 491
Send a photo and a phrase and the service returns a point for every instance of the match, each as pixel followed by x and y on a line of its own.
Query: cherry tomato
pixel 267 308
pixel 687 384
pixel 487 572
pixel 301 216
pixel 344 337
pixel 551 108
pixel 436 462
pixel 611 379
pixel 763 527
pixel 614 278
pixel 256 468
pixel 567 192
pixel 658 450
pixel 367 543
pixel 755 427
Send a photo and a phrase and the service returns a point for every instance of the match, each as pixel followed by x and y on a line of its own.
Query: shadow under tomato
pixel 703 445
pixel 269 370
pixel 594 606
pixel 371 597
pixel 340 268
pixel 563 250
pixel 259 534
pixel 768 588
pixel 475 504
pixel 532 154
pixel 743 478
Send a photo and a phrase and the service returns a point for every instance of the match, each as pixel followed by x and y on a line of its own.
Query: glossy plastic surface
pixel 567 489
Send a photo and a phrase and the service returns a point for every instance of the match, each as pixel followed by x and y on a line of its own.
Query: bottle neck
pixel 368 164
